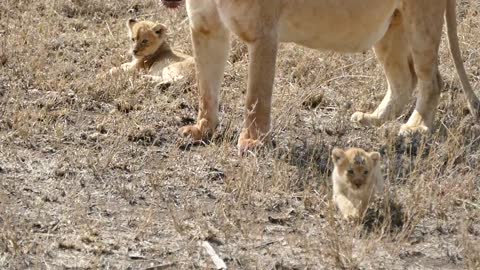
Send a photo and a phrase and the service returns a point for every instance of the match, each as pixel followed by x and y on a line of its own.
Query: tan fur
pixel 405 35
pixel 356 177
pixel 152 54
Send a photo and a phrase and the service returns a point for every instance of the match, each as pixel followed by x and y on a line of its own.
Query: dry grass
pixel 93 174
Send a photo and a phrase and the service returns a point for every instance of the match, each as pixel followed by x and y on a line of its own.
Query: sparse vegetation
pixel 93 174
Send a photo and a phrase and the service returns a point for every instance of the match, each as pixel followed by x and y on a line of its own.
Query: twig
pixel 268 243
pixel 184 21
pixel 160 266
pixel 109 30
pixel 219 263
pixel 470 203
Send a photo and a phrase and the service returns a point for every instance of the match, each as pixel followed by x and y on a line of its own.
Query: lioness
pixel 357 178
pixel 152 53
pixel 405 35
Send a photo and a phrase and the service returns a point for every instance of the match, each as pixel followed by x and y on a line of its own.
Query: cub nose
pixel 135 51
pixel 358 182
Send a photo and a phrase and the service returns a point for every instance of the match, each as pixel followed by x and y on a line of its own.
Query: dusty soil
pixel 93 173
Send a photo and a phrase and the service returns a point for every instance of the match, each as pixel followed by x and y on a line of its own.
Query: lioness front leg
pixel 261 72
pixel 393 52
pixel 210 41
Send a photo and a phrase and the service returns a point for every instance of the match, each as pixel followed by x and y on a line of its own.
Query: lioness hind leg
pixel 424 21
pixel 393 53
pixel 210 41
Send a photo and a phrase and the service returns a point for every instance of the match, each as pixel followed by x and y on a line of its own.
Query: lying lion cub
pixel 356 178
pixel 152 54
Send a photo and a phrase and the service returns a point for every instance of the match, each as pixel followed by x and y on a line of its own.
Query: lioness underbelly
pixel 337 25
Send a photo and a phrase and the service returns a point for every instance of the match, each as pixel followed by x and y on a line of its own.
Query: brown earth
pixel 93 174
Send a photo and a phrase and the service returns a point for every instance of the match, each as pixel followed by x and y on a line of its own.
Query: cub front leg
pixel 261 73
pixel 126 67
pixel 130 66
pixel 210 41
pixel 347 208
pixel 157 80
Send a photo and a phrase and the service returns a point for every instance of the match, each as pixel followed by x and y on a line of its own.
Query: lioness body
pixel 405 35
pixel 356 178
pixel 152 54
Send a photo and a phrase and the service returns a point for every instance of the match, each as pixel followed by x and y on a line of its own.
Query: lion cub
pixel 356 178
pixel 153 55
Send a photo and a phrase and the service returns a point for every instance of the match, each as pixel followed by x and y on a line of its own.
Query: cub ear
pixel 337 155
pixel 375 156
pixel 159 29
pixel 131 23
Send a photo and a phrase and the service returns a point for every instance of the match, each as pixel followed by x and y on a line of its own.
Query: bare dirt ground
pixel 93 174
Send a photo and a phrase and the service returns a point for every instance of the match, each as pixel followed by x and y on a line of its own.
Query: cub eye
pixel 133 39
pixel 365 172
pixel 350 171
pixel 144 41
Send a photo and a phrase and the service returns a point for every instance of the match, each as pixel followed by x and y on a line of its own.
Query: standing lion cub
pixel 153 55
pixel 356 178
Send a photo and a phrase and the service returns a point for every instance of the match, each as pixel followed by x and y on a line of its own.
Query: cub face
pixel 355 165
pixel 147 37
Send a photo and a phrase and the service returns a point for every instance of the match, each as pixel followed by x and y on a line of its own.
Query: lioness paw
pixel 191 131
pixel 409 130
pixel 196 132
pixel 365 119
pixel 245 145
